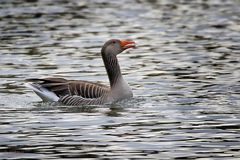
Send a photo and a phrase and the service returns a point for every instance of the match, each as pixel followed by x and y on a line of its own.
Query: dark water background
pixel 185 75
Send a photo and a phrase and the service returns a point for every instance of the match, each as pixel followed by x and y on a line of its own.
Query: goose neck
pixel 112 68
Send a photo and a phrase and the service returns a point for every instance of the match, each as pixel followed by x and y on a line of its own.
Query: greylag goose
pixel 78 92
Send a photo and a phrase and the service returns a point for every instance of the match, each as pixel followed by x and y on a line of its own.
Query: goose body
pixel 78 92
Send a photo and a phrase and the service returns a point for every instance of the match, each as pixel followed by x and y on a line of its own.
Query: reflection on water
pixel 184 74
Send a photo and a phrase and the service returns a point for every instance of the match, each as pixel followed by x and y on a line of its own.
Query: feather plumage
pixel 78 92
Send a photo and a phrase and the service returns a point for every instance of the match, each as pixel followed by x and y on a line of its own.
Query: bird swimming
pixel 79 92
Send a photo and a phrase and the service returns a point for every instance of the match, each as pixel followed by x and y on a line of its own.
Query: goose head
pixel 116 46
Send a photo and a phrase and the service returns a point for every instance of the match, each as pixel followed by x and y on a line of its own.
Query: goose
pixel 80 92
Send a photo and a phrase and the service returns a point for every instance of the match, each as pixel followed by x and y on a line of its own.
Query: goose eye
pixel 114 42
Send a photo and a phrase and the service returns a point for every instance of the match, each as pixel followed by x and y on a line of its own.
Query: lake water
pixel 185 75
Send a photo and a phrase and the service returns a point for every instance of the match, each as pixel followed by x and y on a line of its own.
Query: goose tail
pixel 43 93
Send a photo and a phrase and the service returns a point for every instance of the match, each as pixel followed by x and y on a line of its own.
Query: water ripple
pixel 184 75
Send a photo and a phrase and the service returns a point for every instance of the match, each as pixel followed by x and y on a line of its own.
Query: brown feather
pixel 62 87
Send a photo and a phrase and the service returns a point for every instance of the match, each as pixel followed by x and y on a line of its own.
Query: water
pixel 184 75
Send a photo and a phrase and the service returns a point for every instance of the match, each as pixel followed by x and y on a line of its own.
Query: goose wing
pixel 75 100
pixel 62 87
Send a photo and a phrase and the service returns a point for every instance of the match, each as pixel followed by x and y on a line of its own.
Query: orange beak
pixel 125 44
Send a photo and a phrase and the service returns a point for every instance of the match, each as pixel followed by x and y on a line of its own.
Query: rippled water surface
pixel 185 75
